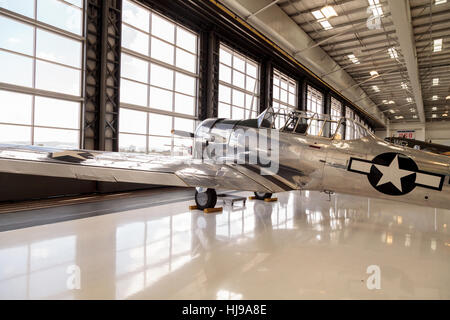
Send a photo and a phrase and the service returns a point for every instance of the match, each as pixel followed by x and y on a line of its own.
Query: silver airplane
pixel 305 151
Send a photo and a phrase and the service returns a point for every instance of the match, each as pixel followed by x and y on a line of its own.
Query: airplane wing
pixel 132 168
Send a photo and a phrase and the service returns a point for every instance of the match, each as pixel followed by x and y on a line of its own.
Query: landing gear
pixel 205 198
pixel 262 195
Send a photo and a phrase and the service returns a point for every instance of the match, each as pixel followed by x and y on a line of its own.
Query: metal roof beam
pixel 402 21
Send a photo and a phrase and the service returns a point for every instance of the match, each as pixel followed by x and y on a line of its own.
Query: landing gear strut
pixel 205 198
pixel 262 195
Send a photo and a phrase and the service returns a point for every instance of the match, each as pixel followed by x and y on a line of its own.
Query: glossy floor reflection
pixel 303 246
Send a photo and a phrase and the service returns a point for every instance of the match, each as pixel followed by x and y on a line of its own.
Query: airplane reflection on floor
pixel 303 246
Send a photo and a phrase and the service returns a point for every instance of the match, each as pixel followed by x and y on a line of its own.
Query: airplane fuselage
pixel 367 166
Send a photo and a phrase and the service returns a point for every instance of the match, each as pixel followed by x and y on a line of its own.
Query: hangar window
pixel 238 85
pixel 159 75
pixel 349 125
pixel 284 95
pixel 314 104
pixel 336 114
pixel 41 54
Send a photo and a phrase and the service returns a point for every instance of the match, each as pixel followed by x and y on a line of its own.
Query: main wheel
pixel 262 195
pixel 207 199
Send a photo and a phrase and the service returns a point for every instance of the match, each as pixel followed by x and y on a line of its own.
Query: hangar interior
pixel 122 75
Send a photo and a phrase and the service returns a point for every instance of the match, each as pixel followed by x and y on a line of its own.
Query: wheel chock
pixel 271 199
pixel 212 210
pixel 192 207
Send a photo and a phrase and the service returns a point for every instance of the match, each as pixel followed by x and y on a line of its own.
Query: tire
pixel 262 195
pixel 207 199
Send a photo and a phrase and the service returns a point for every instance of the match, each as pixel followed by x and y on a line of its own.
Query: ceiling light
pixel 391 102
pixel 398 117
pixel 437 45
pixel 435 97
pixel 326 25
pixel 391 111
pixel 385 101
pixel 409 100
pixel 433 115
pixel 447 97
pixel 373 73
pixel 445 115
pixel 375 88
pixel 434 108
pixel 414 116
pixel 353 58
pixel 375 6
pixel 393 53
pixel 318 14
pixel 328 11
pixel 440 2
pixel 404 85
pixel 412 110
pixel 435 81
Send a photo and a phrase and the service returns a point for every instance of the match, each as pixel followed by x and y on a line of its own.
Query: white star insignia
pixel 392 174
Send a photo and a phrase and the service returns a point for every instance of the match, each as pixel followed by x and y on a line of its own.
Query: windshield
pixel 310 123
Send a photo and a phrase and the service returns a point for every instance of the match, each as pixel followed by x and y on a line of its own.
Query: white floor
pixel 301 247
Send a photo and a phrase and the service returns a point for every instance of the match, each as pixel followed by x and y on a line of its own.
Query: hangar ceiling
pixel 407 80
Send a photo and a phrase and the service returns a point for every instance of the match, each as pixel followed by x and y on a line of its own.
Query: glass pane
pixel 57 78
pixel 15 107
pixel 57 113
pixel 160 124
pixel 135 15
pixel 134 68
pixel 15 134
pixel 186 40
pixel 292 99
pixel 56 138
pixel 224 94
pixel 225 57
pixel 224 111
pixel 184 104
pixel 134 40
pixel 60 15
pixel 182 147
pixel 133 121
pixel 53 47
pixel 78 3
pixel 283 96
pixel 132 143
pixel 276 92
pixel 238 79
pixel 16 36
pixel 250 101
pixel 16 69
pixel 238 113
pixel 252 70
pixel 186 61
pixel 162 51
pixel 184 124
pixel 23 7
pixel 162 28
pixel 238 98
pixel 185 84
pixel 224 73
pixel 161 77
pixel 133 93
pixel 160 145
pixel 251 85
pixel 161 99
pixel 238 63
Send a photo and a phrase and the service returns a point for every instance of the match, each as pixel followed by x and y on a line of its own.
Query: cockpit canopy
pixel 311 123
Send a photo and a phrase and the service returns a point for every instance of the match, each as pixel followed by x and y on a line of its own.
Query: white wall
pixel 437 132
pixel 392 128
